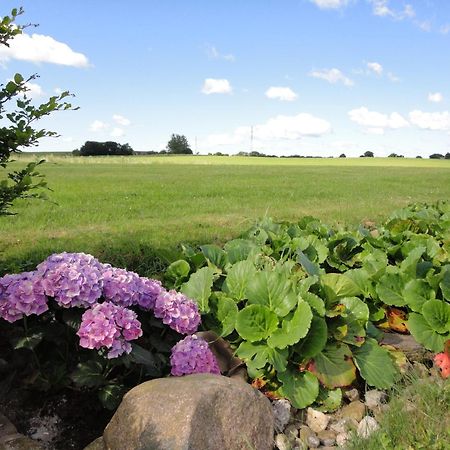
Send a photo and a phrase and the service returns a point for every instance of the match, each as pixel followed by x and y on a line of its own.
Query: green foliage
pixel 109 148
pixel 305 298
pixel 18 115
pixel 178 145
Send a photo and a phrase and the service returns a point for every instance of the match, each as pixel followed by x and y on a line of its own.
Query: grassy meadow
pixel 135 211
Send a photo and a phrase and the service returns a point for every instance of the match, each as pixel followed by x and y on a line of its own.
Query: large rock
pixel 195 412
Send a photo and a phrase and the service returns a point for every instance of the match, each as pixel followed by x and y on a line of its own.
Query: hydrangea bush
pixel 107 309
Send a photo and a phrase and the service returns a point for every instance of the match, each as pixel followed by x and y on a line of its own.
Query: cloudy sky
pixel 309 77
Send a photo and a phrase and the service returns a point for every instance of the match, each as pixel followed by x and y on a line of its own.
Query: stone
pixel 352 394
pixel 18 442
pixel 281 413
pixel 198 412
pixel 344 425
pixel 316 420
pixel 327 447
pixel 374 398
pixel 98 444
pixel 327 437
pixel 341 439
pixel 354 410
pixel 421 369
pixel 282 442
pixel 291 431
pixel 307 436
pixel 6 427
pixel 367 426
pixel 408 345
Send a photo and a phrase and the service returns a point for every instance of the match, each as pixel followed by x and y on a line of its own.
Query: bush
pixel 93 148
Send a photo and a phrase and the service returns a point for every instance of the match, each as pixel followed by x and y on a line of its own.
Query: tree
pixel 110 148
pixel 178 145
pixel 342 155
pixel 17 116
pixel 436 156
pixel 367 154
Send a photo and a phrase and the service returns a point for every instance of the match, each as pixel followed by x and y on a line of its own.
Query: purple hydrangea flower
pixel 73 279
pixel 121 286
pixel 192 355
pixel 111 326
pixel 21 294
pixel 177 311
pixel 148 292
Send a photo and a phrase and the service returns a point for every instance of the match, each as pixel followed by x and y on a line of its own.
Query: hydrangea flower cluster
pixel 149 290
pixel 111 326
pixel 21 295
pixel 177 311
pixel 121 286
pixel 72 279
pixel 192 355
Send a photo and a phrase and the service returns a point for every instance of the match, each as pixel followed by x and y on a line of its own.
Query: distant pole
pixel 251 138
pixel 195 144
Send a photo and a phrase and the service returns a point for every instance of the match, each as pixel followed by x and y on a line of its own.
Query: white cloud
pixel 213 53
pixel 437 121
pixel 216 86
pixel 58 91
pixel 435 97
pixel 331 4
pixel 40 48
pixel 281 93
pixel 382 8
pixel 98 125
pixel 117 132
pixel 375 122
pixel 121 120
pixel 394 78
pixel 34 90
pixel 375 67
pixel 444 29
pixel 424 25
pixel 332 76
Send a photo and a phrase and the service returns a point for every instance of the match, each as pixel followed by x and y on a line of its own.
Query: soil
pixel 64 420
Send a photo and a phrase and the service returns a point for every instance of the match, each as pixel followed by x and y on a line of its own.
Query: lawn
pixel 135 211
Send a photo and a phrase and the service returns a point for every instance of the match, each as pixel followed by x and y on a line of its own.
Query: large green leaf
pixel 416 293
pixel 390 289
pixel 111 395
pixel 445 282
pixel 238 278
pixel 408 266
pixel 338 285
pixel 272 289
pixel 178 271
pixel 312 247
pixel 437 314
pixel 334 366
pixel 362 279
pixel 350 326
pixel 292 330
pixel 424 333
pixel 199 287
pixel 31 340
pixel 257 355
pixel 315 302
pixel 239 250
pixel 315 340
pixel 310 267
pixel 374 263
pixel 224 312
pixel 215 255
pixel 301 388
pixel 329 399
pixel 89 374
pixel 375 365
pixel 256 322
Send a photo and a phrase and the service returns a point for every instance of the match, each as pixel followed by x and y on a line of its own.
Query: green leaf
pixel 256 322
pixel 111 395
pixel 390 289
pixel 292 330
pixel 315 340
pixel 278 358
pixel 329 399
pixel 18 78
pixel 301 388
pixel 416 293
pixel 89 374
pixel 445 283
pixel 437 314
pixel 408 266
pixel 215 255
pixel 238 278
pixel 315 302
pixel 178 270
pixel 350 326
pixel 424 334
pixel 199 286
pixel 311 268
pixel 375 263
pixel 224 310
pixel 338 285
pixel 272 289
pixel 239 250
pixel 334 366
pixel 140 355
pixel 254 354
pixel 375 364
pixel 362 279
pixel 30 341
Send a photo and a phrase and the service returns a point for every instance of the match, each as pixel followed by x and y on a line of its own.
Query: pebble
pixel 354 410
pixel 317 420
pixel 282 413
pixel 344 425
pixel 291 431
pixel 367 426
pixel 308 437
pixel 374 398
pixel 341 439
pixel 327 437
pixel 282 442
pixel 352 395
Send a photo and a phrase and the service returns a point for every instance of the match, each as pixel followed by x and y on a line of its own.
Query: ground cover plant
pixel 113 207
pixel 301 302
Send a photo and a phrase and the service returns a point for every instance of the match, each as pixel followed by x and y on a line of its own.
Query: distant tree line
pixel 109 148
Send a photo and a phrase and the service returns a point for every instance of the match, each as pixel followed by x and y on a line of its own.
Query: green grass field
pixel 135 211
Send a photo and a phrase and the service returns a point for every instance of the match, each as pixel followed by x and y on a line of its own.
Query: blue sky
pixel 309 77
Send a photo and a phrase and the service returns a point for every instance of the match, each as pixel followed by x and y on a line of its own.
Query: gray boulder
pixel 194 412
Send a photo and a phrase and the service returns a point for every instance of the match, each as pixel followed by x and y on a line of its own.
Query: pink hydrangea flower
pixel 111 326
pixel 21 295
pixel 148 292
pixel 193 355
pixel 177 311
pixel 121 286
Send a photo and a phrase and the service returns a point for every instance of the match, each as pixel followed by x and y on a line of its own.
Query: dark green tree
pixel 178 145
pixel 17 120
pixel 110 148
pixel 367 154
